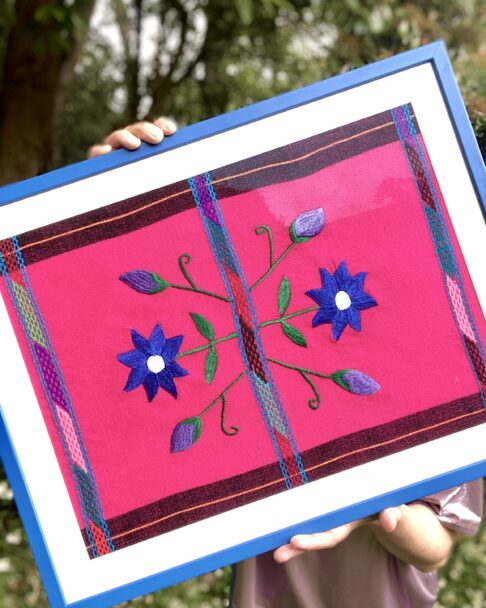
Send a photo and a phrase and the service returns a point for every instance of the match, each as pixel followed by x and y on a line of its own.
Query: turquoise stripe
pixel 440 236
pixel 266 395
pixel 442 247
pixel 221 245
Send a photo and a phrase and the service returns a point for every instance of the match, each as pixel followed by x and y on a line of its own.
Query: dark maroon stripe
pixel 418 170
pixel 106 230
pixel 477 359
pixel 249 342
pixel 398 428
pixel 379 135
pixel 339 454
pixel 184 200
pixel 7 252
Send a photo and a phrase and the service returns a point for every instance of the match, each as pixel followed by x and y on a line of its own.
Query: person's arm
pixel 132 136
pixel 412 533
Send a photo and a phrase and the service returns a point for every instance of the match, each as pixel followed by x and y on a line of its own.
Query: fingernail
pixel 156 134
pixel 394 515
pixel 132 139
pixel 300 542
pixel 169 125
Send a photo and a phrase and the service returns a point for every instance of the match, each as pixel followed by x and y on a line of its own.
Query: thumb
pixel 390 518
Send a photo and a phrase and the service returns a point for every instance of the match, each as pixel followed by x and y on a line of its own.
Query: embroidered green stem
pixel 314 402
pixel 201 291
pixel 233 429
pixel 222 394
pixel 198 349
pixel 291 315
pixel 301 370
pixel 232 335
pixel 274 265
pixel 263 229
pixel 184 259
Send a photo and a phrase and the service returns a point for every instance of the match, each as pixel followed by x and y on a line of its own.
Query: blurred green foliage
pixel 224 54
pixel 192 59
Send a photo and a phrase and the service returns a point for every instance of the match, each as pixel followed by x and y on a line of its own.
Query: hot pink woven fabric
pixel 408 344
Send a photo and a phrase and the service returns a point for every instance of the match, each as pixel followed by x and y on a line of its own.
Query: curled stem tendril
pixel 233 429
pixel 314 402
pixel 185 259
pixel 222 394
pixel 263 229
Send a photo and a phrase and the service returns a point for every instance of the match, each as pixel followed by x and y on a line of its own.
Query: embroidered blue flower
pixel 152 363
pixel 341 300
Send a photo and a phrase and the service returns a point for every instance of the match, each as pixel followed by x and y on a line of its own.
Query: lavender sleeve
pixel 459 508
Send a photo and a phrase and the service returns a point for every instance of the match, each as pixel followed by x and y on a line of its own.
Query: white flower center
pixel 343 301
pixel 155 363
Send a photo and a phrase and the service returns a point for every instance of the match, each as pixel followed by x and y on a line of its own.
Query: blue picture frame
pixel 434 54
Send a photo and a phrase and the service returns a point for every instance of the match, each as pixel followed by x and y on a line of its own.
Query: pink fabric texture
pixel 374 222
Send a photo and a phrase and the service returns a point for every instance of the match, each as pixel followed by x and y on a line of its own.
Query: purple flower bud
pixel 355 382
pixel 307 224
pixel 144 281
pixel 185 434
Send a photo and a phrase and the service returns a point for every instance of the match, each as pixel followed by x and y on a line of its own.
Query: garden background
pixel 71 71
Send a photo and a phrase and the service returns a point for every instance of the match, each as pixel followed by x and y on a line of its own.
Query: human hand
pixel 132 136
pixel 387 520
pixel 412 533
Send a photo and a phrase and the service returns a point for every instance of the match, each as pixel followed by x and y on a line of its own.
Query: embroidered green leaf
pixel 337 377
pixel 211 364
pixel 283 295
pixel 203 326
pixel 160 283
pixel 293 334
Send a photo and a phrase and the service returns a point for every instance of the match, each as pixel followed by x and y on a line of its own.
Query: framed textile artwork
pixel 272 322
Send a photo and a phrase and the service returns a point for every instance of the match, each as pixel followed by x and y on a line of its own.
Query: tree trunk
pixel 34 63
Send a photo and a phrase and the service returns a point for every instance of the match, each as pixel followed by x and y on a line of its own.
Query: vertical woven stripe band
pixel 249 340
pixel 12 267
pixel 431 205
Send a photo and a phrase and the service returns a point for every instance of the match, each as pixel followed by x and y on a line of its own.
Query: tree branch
pixel 162 82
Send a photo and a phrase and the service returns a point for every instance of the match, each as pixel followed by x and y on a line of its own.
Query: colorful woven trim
pixel 284 164
pixel 13 269
pixel 321 461
pixel 442 243
pixel 249 340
